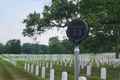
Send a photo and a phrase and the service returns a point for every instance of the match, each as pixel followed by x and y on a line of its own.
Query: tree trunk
pixel 117 41
pixel 117 48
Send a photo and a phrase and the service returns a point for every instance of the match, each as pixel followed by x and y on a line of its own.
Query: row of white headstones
pixel 83 59
pixel 35 70
pixel 64 59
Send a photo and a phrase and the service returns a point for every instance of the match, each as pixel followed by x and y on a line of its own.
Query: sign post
pixel 76 62
pixel 77 31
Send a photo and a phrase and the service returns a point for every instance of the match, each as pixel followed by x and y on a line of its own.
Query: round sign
pixel 77 31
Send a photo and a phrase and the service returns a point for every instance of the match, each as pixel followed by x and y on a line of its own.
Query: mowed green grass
pixel 4 74
pixel 10 72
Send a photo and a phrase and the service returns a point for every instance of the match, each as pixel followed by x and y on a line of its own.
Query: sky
pixel 12 13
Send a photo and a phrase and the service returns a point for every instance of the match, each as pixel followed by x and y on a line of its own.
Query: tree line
pixel 55 46
pixel 15 47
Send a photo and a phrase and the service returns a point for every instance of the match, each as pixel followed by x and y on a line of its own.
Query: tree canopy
pixel 54 15
pixel 102 16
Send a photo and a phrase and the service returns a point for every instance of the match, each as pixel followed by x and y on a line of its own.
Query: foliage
pixel 29 48
pixel 92 45
pixel 54 15
pixel 2 48
pixel 60 47
pixel 13 46
pixel 68 47
pixel 55 46
pixel 103 16
pixel 88 46
pixel 32 25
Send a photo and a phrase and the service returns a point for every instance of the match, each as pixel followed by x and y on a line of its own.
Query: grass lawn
pixel 10 72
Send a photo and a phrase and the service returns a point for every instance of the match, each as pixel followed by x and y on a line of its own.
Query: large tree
pixel 102 17
pixel 54 15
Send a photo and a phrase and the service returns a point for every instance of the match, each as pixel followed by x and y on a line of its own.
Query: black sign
pixel 77 31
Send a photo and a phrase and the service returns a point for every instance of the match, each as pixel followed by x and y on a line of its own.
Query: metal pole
pixel 76 62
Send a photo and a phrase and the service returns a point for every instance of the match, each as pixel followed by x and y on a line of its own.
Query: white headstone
pixel 82 78
pixel 51 65
pixel 43 72
pixel 32 68
pixel 103 74
pixel 88 70
pixel 25 67
pixel 28 67
pixel 64 76
pixel 37 70
pixel 52 74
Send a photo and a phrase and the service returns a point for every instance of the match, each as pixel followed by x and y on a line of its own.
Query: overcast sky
pixel 12 13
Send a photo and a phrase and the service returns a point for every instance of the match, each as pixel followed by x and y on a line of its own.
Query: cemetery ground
pixel 10 72
pixel 113 73
pixel 25 68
